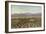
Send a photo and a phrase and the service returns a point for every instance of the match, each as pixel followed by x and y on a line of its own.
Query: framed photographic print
pixel 24 16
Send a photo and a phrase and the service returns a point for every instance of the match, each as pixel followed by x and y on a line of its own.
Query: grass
pixel 26 22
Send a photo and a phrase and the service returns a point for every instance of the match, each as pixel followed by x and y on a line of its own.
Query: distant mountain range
pixel 27 14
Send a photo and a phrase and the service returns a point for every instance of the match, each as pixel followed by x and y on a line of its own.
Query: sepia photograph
pixel 24 16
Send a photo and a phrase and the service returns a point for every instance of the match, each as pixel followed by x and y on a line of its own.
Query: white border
pixel 25 29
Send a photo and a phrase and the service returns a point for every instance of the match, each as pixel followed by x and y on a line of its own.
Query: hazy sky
pixel 25 9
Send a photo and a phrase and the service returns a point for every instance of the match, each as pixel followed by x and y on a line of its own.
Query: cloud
pixel 25 9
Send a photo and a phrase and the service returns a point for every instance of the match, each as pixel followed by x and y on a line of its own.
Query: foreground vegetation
pixel 26 22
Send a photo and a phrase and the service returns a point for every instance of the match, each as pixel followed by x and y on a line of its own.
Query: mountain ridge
pixel 27 14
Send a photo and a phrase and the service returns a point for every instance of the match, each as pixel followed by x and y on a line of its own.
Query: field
pixel 25 21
